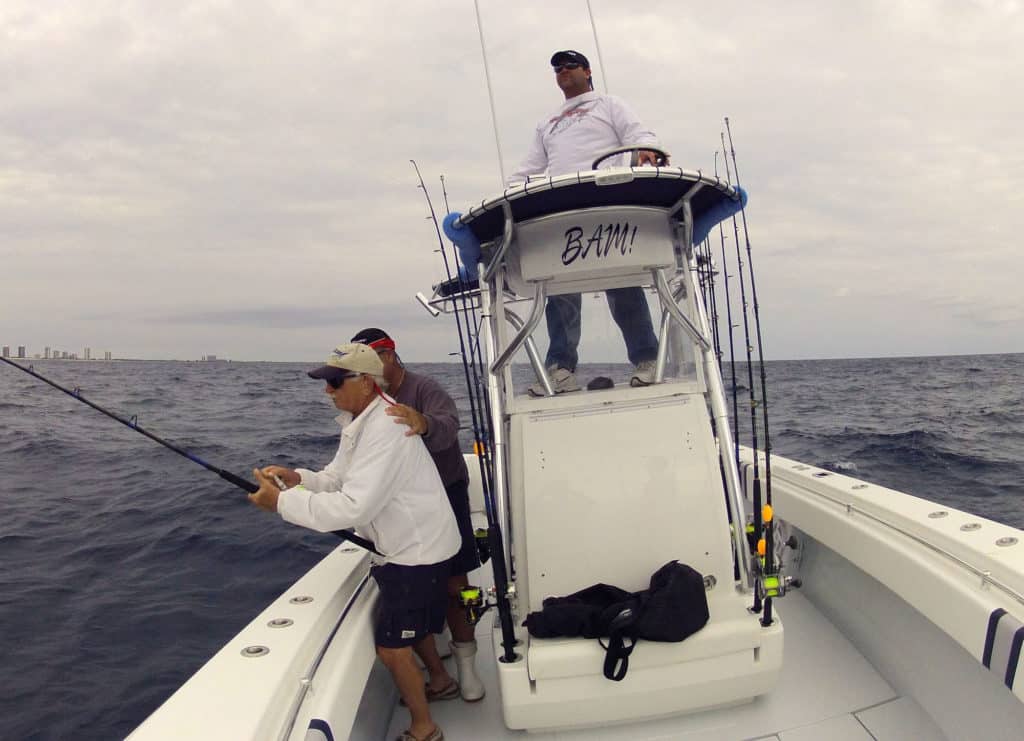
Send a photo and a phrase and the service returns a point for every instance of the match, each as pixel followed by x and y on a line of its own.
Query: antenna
pixel 490 92
pixel 597 46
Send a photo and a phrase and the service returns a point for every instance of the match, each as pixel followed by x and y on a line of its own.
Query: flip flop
pixel 449 692
pixel 436 735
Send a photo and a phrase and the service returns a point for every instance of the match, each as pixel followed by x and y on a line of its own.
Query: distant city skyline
pixel 48 353
pixel 23 352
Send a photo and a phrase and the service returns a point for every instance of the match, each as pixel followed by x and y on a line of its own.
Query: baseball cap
pixel 378 339
pixel 561 57
pixel 349 359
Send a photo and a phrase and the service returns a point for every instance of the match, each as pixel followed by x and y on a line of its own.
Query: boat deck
pixel 827 690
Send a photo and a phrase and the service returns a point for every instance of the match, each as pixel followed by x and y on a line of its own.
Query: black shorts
pixel 468 558
pixel 413 602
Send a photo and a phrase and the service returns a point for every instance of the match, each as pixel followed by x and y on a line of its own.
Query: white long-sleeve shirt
pixel 382 483
pixel 584 127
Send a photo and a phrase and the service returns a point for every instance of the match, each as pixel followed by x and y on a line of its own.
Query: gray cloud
pixel 180 179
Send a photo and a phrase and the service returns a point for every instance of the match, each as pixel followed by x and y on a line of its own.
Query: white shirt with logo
pixel 584 127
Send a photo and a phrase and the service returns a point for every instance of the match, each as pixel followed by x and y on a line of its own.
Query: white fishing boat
pixel 908 621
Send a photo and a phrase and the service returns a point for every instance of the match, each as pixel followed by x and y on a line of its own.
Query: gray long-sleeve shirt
pixel 426 396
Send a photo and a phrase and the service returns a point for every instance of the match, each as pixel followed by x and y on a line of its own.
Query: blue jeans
pixel 629 310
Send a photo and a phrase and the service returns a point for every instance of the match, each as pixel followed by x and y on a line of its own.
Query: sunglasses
pixel 568 65
pixel 335 383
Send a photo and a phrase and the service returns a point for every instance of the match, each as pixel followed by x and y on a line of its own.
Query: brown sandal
pixel 435 735
pixel 449 692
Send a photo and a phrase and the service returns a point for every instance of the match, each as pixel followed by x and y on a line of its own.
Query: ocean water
pixel 125 566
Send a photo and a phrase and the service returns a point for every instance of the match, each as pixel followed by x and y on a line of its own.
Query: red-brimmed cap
pixel 378 339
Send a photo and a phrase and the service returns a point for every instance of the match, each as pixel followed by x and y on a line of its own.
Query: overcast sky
pixel 186 178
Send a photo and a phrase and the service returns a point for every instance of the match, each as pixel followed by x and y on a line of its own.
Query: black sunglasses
pixel 335 383
pixel 568 65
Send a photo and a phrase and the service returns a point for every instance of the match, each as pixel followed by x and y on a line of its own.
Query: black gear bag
pixel 673 607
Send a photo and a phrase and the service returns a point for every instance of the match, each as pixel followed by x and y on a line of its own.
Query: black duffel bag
pixel 673 607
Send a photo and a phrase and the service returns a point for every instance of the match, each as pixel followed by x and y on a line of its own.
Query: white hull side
pixel 914 585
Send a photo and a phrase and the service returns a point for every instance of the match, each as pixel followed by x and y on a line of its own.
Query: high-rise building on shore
pixel 52 353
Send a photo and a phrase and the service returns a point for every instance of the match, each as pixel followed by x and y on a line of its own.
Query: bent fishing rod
pixel 132 423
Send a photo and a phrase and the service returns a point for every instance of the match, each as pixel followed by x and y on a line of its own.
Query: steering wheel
pixel 661 156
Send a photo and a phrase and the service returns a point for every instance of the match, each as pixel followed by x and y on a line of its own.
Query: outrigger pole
pixel 133 424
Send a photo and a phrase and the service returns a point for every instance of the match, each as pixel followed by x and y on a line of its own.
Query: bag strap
pixel 617 651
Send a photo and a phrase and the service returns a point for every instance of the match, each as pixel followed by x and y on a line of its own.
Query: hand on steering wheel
pixel 642 155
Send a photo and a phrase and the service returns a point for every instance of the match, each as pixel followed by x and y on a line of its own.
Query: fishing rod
pixel 494 535
pixel 770 527
pixel 132 423
pixel 758 512
pixel 479 409
pixel 732 347
pixel 481 440
pixel 458 322
pixel 479 402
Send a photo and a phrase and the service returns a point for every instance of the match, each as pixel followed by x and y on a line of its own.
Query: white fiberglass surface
pixel 823 678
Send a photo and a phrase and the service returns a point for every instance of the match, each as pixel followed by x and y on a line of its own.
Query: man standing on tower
pixel 587 124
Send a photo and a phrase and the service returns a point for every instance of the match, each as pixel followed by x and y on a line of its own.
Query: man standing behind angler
pixel 585 126
pixel 430 412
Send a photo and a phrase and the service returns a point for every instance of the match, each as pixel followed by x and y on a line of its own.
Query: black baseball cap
pixel 561 57
pixel 374 337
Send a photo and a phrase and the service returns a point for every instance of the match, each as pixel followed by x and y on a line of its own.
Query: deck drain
pixel 937 514
pixel 349 549
pixel 254 652
pixel 709 582
pixel 302 599
pixel 280 623
pixel 1008 540
pixel 861 486
pixel 970 526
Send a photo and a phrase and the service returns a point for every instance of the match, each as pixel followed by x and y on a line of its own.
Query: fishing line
pixel 132 423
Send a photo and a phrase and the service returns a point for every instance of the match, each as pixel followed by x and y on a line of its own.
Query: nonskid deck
pixel 827 690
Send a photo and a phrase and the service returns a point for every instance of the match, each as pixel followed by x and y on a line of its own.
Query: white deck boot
pixel 465 658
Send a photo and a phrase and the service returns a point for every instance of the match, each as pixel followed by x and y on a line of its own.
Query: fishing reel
pixel 483 546
pixel 769 582
pixel 472 600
